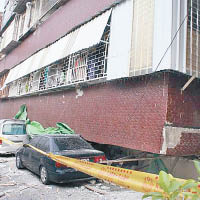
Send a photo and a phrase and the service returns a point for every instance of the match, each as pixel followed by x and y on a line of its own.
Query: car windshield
pixel 71 144
pixel 14 129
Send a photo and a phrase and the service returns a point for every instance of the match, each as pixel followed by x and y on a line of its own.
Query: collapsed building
pixel 122 73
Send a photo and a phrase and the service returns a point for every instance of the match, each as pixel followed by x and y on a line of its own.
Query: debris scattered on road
pixel 8 184
pixel 92 182
pixel 94 189
pixel 28 187
pixel 3 161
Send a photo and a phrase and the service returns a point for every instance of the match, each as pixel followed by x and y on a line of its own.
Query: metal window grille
pixel 86 65
pixel 3 92
pixel 34 81
pixel 23 87
pixel 193 38
pixel 13 91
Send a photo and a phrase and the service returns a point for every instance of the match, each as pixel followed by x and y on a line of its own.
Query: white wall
pixel 167 18
pixel 169 15
pixel 162 34
pixel 178 52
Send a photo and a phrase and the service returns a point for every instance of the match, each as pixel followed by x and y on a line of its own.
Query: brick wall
pixel 183 108
pixel 128 113
pixel 189 145
pixel 184 111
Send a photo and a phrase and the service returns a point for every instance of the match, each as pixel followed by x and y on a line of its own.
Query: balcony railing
pixel 86 66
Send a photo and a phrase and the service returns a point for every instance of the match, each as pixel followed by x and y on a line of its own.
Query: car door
pixel 37 158
pixel 27 152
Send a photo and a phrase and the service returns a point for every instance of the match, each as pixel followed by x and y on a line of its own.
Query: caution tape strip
pixel 8 141
pixel 135 180
pixel 138 181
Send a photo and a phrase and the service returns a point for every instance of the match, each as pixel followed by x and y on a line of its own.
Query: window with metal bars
pixel 194 14
pixel 86 65
pixel 193 38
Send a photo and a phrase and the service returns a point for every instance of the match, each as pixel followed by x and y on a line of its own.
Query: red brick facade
pixel 184 111
pixel 189 145
pixel 183 108
pixel 129 113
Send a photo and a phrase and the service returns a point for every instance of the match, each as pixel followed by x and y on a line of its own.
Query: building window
pixel 34 81
pixel 4 91
pixel 52 79
pixel 23 86
pixel 193 38
pixel 86 65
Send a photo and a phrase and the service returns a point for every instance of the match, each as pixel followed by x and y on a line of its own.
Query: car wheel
pixel 44 177
pixel 19 163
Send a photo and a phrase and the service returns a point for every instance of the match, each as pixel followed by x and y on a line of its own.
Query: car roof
pixel 12 120
pixel 58 135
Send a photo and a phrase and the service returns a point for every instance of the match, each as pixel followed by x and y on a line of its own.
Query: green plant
pixel 174 189
pixel 197 166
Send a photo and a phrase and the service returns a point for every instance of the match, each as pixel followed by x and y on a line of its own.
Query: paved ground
pixel 23 185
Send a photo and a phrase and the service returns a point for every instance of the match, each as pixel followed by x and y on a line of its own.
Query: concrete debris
pixel 3 161
pixel 103 187
pixel 8 184
pixel 92 182
pixel 94 189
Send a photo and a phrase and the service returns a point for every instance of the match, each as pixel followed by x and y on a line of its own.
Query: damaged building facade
pixel 122 73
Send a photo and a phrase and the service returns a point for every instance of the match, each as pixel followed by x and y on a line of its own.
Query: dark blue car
pixel 66 145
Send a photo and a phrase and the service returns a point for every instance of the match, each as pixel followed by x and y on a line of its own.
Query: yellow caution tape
pixel 8 141
pixel 135 180
pixel 138 181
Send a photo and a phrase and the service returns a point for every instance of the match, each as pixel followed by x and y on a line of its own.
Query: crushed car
pixel 72 145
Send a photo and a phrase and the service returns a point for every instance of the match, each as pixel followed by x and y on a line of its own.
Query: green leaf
pixel 191 195
pixel 174 195
pixel 197 166
pixel 158 198
pixel 195 197
pixel 164 181
pixel 174 185
pixel 189 184
pixel 153 194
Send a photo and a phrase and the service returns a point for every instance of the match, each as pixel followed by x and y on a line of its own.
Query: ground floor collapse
pixel 148 113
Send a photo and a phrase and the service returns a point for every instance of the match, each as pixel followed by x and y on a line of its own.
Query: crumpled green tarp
pixel 22 114
pixel 36 128
pixel 156 166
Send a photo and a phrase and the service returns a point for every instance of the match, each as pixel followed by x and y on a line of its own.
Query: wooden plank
pixel 188 83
